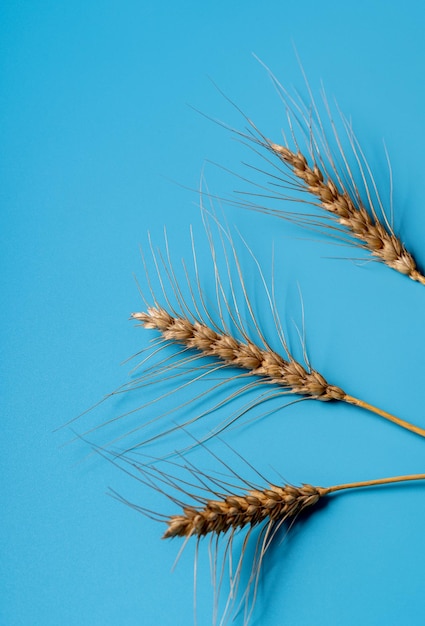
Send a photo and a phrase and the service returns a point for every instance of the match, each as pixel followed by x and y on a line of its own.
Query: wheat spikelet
pixel 264 362
pixel 237 511
pixel 271 507
pixel 222 506
pixel 339 180
pixel 374 235
pixel 273 503
pixel 220 342
pixel 290 374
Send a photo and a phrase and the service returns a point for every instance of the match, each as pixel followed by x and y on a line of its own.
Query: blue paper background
pixel 98 147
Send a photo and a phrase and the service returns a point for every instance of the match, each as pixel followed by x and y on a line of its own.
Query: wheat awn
pixel 223 507
pixel 322 168
pixel 214 334
pixel 192 327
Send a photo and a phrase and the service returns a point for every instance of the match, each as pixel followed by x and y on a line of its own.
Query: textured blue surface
pixel 98 147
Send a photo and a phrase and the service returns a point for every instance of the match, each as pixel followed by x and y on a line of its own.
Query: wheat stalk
pixel 270 507
pixel 273 503
pixel 263 362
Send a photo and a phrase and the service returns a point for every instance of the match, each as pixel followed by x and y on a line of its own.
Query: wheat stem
pixel 264 362
pixel 372 483
pixel 388 416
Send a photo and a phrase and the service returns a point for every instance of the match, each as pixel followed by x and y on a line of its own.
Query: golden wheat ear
pixel 325 166
pixel 211 340
pixel 230 512
pixel 235 340
pixel 286 373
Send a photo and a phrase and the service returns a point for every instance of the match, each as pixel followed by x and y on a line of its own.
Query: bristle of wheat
pixel 274 504
pixel 353 216
pixel 263 362
pixel 244 354
pixel 238 511
pixel 221 506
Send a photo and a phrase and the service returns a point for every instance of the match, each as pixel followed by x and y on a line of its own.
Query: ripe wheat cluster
pixel 224 338
pixel 376 237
